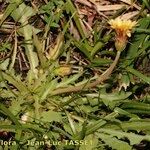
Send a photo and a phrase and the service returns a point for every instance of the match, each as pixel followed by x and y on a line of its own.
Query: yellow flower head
pixel 123 29
pixel 122 25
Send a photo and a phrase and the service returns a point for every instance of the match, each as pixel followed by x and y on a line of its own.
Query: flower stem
pixel 86 86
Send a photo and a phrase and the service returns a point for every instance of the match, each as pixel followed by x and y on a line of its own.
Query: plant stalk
pixel 86 86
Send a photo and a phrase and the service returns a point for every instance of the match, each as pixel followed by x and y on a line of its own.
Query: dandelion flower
pixel 123 30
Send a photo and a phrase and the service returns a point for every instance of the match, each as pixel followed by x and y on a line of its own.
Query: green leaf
pixel 46 89
pixel 9 114
pixel 137 41
pixel 133 124
pixel 100 62
pixel 123 112
pixel 4 64
pixel 92 142
pixel 136 107
pixel 22 13
pixel 140 30
pixel 124 81
pixel 113 142
pixel 15 107
pixel 12 6
pixel 66 81
pixel 81 46
pixel 97 47
pixel 115 95
pixel 138 74
pixel 114 99
pixel 133 138
pixel 31 28
pixel 76 17
pixel 98 124
pixel 38 44
pixel 18 84
pixel 49 116
pixel 146 2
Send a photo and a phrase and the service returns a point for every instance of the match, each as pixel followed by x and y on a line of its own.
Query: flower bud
pixel 63 70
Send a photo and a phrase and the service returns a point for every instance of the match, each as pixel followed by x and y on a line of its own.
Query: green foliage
pixel 52 12
pixel 5 46
pixel 114 143
pixel 133 138
pixel 36 103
